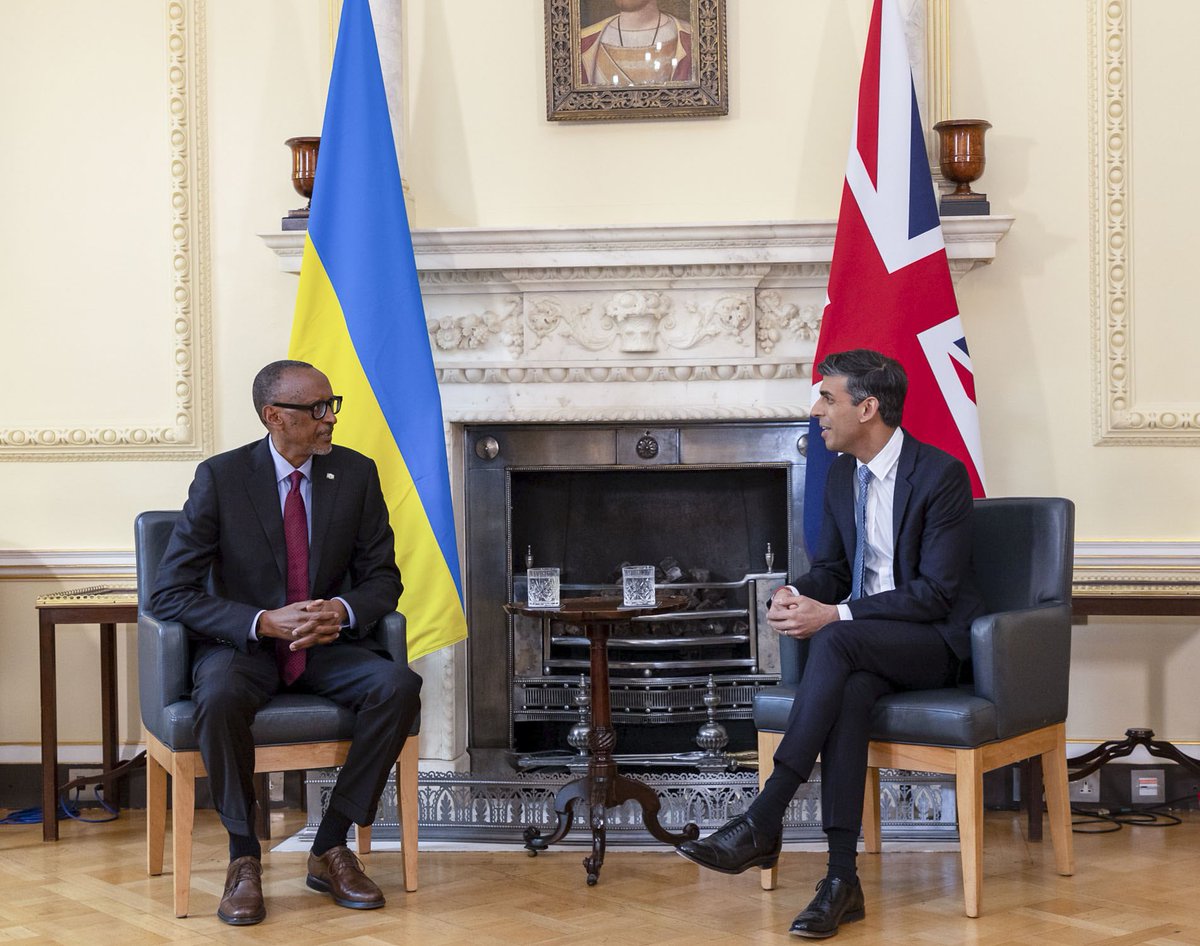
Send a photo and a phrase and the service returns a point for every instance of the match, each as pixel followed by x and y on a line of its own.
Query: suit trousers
pixel 850 665
pixel 230 685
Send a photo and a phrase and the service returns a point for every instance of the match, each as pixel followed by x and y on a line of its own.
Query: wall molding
pixel 1095 559
pixel 188 434
pixel 94 565
pixel 1118 417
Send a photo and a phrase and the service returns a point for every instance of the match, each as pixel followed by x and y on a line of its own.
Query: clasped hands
pixel 304 623
pixel 794 615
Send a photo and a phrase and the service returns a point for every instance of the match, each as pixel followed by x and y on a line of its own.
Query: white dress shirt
pixel 878 574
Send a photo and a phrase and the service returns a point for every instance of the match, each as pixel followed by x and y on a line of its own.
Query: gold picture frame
pixel 615 60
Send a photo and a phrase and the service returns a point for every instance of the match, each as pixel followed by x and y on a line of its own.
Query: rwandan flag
pixel 359 319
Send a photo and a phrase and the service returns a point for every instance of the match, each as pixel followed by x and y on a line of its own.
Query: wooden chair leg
pixel 1031 795
pixel 406 799
pixel 969 787
pixel 262 814
pixel 1058 803
pixel 362 837
pixel 768 742
pixel 872 842
pixel 183 811
pixel 156 815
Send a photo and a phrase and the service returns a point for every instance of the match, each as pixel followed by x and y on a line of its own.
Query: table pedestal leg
pixel 564 807
pixel 603 787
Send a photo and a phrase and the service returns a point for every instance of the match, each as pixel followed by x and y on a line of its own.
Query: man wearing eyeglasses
pixel 282 559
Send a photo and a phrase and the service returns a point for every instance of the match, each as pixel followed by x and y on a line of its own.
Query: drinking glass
pixel 637 586
pixel 542 587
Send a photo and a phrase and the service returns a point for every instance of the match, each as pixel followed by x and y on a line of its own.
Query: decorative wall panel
pixel 1119 416
pixel 188 433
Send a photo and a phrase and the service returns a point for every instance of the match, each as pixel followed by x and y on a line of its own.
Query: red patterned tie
pixel 295 534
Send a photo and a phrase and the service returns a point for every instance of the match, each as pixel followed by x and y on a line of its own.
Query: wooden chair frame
pixel 967 766
pixel 185 767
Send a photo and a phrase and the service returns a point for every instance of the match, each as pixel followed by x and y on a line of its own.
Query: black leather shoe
pixel 837 901
pixel 735 846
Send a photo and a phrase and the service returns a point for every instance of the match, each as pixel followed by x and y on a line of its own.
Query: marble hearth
pixel 618 324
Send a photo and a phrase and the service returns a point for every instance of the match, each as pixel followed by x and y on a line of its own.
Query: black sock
pixel 331 832
pixel 843 853
pixel 767 809
pixel 244 845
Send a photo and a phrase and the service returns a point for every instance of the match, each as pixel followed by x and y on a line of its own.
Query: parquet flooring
pixel 1136 886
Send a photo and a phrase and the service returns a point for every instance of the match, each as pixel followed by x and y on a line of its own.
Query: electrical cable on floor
pixel 68 808
pixel 72 810
pixel 1109 820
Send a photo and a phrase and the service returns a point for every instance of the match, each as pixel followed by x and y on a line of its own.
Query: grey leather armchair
pixel 1016 707
pixel 293 731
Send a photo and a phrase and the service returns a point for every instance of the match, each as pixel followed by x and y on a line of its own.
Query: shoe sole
pixel 241 920
pixel 847 918
pixel 769 861
pixel 322 886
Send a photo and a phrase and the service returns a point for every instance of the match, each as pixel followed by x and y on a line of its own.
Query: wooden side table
pixel 602 787
pixel 108 607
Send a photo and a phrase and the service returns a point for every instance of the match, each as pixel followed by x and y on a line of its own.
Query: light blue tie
pixel 860 539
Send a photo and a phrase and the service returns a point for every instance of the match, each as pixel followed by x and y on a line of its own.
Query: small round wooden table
pixel 602 787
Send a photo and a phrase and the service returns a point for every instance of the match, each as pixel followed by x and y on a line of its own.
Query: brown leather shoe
pixel 339 873
pixel 242 902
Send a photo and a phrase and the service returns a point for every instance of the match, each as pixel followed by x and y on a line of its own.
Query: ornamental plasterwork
pixel 188 434
pixel 1118 417
pixel 640 321
pixel 777 317
pixel 474 331
pixel 605 374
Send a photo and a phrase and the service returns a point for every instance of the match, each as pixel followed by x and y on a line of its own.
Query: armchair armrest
pixel 1022 662
pixel 164 668
pixel 392 632
pixel 793 655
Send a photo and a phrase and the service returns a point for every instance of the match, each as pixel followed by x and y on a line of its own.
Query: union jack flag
pixel 889 283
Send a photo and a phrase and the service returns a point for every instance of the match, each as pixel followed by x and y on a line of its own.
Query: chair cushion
pixel 951 717
pixel 287 718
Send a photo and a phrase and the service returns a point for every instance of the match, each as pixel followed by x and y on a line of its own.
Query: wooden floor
pixel 1139 885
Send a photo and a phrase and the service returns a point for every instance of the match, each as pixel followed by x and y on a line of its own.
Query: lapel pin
pixel 329 476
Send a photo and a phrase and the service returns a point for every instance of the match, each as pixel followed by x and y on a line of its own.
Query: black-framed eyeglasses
pixel 317 408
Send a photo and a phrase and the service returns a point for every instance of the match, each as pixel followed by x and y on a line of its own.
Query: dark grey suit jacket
pixel 227 559
pixel 931 528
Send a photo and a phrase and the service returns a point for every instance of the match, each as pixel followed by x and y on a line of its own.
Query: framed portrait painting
pixel 612 60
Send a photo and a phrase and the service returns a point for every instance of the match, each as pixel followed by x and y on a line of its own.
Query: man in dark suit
pixel 887 605
pixel 281 561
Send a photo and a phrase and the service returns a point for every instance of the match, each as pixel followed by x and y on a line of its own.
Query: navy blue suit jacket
pixel 931 529
pixel 227 559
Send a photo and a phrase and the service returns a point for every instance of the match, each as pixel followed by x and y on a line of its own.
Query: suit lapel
pixel 326 480
pixel 264 498
pixel 904 487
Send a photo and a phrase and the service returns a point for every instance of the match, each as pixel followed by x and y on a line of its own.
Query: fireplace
pixel 715 506
pixel 700 337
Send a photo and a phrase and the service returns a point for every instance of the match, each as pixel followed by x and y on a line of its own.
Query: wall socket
pixel 1147 786
pixel 1086 789
pixel 87 793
